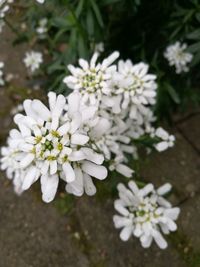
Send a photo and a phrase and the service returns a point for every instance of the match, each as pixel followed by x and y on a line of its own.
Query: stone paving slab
pixel 179 165
pixel 108 250
pixel 191 130
pixel 34 234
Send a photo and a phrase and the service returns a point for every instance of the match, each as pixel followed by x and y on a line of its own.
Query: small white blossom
pixel 33 60
pixel 91 80
pixel 4 8
pixel 137 87
pixel 177 56
pixel 42 27
pixel 145 214
pixel 167 140
pixel 40 1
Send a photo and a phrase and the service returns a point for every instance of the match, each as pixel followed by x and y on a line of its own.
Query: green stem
pixel 12 27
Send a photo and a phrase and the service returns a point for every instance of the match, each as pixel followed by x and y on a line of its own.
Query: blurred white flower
pixel 4 8
pixel 2 82
pixel 91 80
pixel 40 1
pixel 145 213
pixel 53 144
pixel 177 56
pixel 42 27
pixel 33 60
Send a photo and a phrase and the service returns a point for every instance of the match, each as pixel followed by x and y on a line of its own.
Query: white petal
pixel 160 241
pixel 89 186
pixel 124 170
pixel 79 139
pixel 69 172
pixel 162 190
pixel 126 233
pixel 31 176
pixel 91 155
pixel 41 109
pixel 27 160
pixel 99 172
pixel 49 185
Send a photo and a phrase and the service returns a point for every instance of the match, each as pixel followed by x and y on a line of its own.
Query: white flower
pixel 42 27
pixel 167 140
pixel 91 80
pixel 53 144
pixel 145 213
pixel 40 1
pixel 138 87
pixel 4 8
pixel 2 82
pixel 33 60
pixel 177 56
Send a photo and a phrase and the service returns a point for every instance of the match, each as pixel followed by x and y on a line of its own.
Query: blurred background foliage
pixel 139 29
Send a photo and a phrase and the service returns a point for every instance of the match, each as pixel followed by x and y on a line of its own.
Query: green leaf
pixel 82 48
pixel 60 22
pixel 196 60
pixel 109 2
pixel 90 22
pixel 195 35
pixel 198 17
pixel 79 8
pixel 97 13
pixel 175 97
pixel 194 48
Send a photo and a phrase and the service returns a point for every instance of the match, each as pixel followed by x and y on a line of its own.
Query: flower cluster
pixel 177 56
pixel 54 143
pixel 145 213
pixel 4 7
pixel 124 95
pixel 33 60
pixel 1 74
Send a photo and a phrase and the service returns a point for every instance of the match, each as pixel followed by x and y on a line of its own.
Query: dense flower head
pixel 33 60
pixel 124 94
pixel 145 213
pixel 53 143
pixel 91 80
pixel 177 56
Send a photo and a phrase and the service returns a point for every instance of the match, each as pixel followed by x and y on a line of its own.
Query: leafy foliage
pixel 139 29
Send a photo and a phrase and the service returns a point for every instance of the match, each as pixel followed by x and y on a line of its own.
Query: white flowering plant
pixel 103 107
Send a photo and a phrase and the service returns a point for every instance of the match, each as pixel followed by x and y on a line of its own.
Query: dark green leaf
pixel 97 13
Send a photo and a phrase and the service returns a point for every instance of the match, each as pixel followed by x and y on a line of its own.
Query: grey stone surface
pixel 191 130
pixel 179 165
pixel 106 248
pixel 34 234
